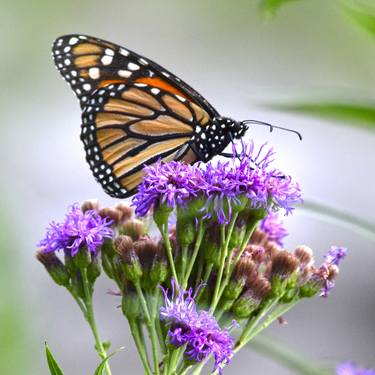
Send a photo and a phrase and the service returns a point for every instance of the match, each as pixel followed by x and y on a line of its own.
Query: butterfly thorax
pixel 213 138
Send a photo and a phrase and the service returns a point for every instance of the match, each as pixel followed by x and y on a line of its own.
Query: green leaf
pixel 340 218
pixel 53 366
pixel 270 7
pixel 346 113
pixel 364 17
pixel 100 370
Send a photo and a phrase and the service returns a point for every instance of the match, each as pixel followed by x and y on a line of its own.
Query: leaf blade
pixel 100 370
pixel 346 113
pixel 53 366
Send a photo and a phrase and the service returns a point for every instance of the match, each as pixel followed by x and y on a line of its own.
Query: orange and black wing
pixel 89 63
pixel 134 111
pixel 128 126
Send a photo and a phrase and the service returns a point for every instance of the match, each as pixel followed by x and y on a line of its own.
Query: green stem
pixel 155 318
pixel 150 325
pixel 184 257
pixel 223 253
pixel 168 247
pixel 286 357
pixel 198 279
pixel 199 367
pixel 77 299
pixel 197 245
pixel 136 329
pixel 174 360
pixel 252 323
pixel 270 319
pixel 90 317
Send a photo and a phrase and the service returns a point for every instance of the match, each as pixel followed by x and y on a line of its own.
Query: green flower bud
pixel 54 267
pixel 77 285
pixel 93 270
pixel 83 258
pixel 161 215
pixel 134 229
pixel 131 306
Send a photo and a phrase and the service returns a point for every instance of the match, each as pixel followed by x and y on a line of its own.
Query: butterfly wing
pixel 89 63
pixel 128 125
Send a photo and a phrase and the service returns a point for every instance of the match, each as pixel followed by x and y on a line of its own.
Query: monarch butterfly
pixel 135 112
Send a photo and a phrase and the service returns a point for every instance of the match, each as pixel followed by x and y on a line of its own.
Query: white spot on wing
pixel 94 73
pixel 73 40
pixel 133 66
pixel 155 91
pixel 124 52
pixel 67 49
pixel 109 52
pixel 86 87
pixel 106 60
pixel 124 73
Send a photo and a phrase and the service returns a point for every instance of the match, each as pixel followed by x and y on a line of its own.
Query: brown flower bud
pixel 90 204
pixel 283 264
pixel 259 287
pixel 133 228
pixel 245 269
pixel 258 237
pixel 112 213
pixel 304 255
pixel 124 246
pixel 125 211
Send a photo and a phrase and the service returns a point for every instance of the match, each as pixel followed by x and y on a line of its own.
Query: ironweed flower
pixel 198 330
pixel 348 368
pixel 224 185
pixel 77 230
pixel 274 228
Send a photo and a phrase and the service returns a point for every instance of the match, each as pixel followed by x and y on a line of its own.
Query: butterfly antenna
pixel 255 122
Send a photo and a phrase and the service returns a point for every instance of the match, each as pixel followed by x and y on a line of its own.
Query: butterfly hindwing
pixel 128 125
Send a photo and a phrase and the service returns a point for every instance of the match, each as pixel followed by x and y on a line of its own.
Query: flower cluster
pixel 77 230
pixel 223 186
pixel 351 369
pixel 199 331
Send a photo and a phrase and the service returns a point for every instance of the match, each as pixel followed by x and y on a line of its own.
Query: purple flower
pixel 167 183
pixel 223 185
pixel 329 269
pixel 199 331
pixel 335 255
pixel 274 228
pixel 77 230
pixel 348 368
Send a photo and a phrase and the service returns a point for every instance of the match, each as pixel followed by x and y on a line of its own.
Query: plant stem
pixel 168 247
pixel 184 256
pixel 150 325
pixel 90 317
pixel 197 245
pixel 136 329
pixel 286 357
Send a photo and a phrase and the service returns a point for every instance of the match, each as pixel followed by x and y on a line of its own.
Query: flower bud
pixel 111 212
pixel 131 265
pixel 54 267
pixel 133 228
pixel 93 270
pixel 90 204
pixel 125 211
pixel 258 237
pixel 304 254
pixel 258 288
pixel 83 258
pixel 131 306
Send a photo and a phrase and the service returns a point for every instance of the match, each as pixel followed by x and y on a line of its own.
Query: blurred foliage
pixel 270 7
pixel 339 217
pixel 363 16
pixel 345 113
pixel 287 357
pixel 350 113
pixel 15 359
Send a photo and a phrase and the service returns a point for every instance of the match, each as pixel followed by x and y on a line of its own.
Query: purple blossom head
pixel 77 230
pixel 329 269
pixel 167 183
pixel 249 174
pixel 274 228
pixel 199 331
pixel 348 368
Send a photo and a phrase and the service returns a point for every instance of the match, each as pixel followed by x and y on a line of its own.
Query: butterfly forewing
pixel 88 63
pixel 127 126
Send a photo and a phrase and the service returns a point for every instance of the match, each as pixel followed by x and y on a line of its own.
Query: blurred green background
pixel 306 64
